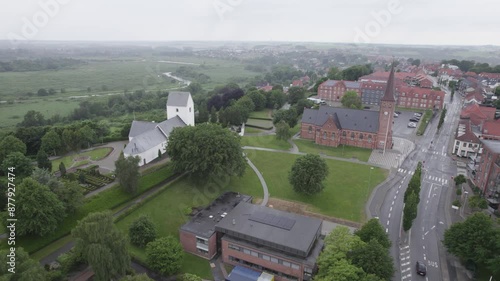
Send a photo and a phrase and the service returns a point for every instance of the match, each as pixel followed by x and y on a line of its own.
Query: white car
pixel 412 125
pixel 417 114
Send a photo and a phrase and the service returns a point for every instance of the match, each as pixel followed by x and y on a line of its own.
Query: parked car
pixel 417 114
pixel 395 114
pixel 412 125
pixel 421 268
pixel 398 112
pixel 414 120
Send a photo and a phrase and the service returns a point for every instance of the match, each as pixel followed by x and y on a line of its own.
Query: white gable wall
pixel 186 113
pixel 150 154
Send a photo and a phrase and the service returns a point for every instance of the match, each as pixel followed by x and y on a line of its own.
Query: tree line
pixel 38 64
pixel 470 65
pixel 412 198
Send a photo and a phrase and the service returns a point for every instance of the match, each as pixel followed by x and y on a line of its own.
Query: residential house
pixel 467 144
pixel 477 114
pixel 334 90
pixel 488 174
pixel 297 83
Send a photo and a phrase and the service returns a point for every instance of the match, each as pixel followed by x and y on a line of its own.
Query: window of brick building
pixel 333 136
pixel 310 129
pixel 352 136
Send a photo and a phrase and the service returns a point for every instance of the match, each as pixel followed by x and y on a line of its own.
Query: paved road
pixel 423 242
pixel 262 182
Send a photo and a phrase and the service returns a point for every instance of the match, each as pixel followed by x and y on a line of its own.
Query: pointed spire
pixel 389 90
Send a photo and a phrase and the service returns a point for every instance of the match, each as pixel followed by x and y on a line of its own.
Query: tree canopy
pixel 26 268
pixel 38 211
pixel 43 161
pixel 10 144
pixel 373 230
pixel 21 163
pixel 282 131
pixel 127 172
pixel 142 231
pixel 287 115
pixel 295 94
pixel 206 150
pixel 308 173
pixel 475 239
pixel 351 100
pixel 102 245
pixel 165 255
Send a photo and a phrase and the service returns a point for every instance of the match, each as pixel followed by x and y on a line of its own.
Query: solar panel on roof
pixel 273 220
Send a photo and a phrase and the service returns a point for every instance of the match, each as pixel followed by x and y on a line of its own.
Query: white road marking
pixel 395 197
pixel 386 230
pixel 393 202
pixel 441 222
pixel 387 222
pixel 433 227
pixel 389 215
pixel 397 191
pixel 390 209
pixel 405 264
pixel 423 247
pixel 430 189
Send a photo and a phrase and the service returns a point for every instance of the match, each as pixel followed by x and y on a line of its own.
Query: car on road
pixel 414 120
pixel 412 125
pixel 421 268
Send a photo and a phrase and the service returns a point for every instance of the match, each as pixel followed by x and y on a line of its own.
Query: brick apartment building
pixel 198 235
pixel 253 236
pixel 334 90
pixel 332 126
pixel 422 98
pixel 283 244
pixel 488 174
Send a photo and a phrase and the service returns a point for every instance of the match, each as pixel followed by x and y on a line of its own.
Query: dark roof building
pixel 346 118
pixel 178 98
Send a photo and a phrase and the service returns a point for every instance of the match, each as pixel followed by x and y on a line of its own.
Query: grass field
pixel 268 141
pixel 424 122
pixel 11 114
pixel 69 161
pixel 250 130
pixel 168 211
pixel 348 185
pixel 307 146
pixel 266 113
pixel 264 124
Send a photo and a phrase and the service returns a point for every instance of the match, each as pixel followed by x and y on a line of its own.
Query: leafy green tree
pixel 275 99
pixel 474 239
pixel 43 161
pixel 295 94
pixel 42 92
pixel 165 255
pixel 51 142
pixel 353 73
pixel 38 211
pixel 259 100
pixel 205 151
pixel 203 114
pixel 10 144
pixel 32 119
pixel 497 91
pixel 287 115
pixel 189 277
pixel 213 115
pixel 441 118
pixel 62 169
pixel 308 173
pixel 373 230
pixel 477 202
pixel 72 139
pixel 87 135
pixel 459 179
pixel 102 245
pixel 21 163
pixel 351 100
pixel 142 231
pixel 127 172
pixel 410 211
pixel 334 73
pixel 374 259
pixel 303 103
pixel 318 83
pixel 283 131
pixel 25 268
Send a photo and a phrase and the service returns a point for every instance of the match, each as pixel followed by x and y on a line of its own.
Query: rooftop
pixel 275 229
pixel 492 145
pixel 178 98
pixel 350 119
pixel 203 223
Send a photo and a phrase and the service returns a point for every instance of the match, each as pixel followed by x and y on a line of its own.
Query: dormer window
pixel 176 110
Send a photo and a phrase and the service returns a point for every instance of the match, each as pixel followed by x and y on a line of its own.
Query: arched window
pixel 361 137
pixel 370 138
pixel 352 136
pixel 324 135
pixel 310 129
pixel 333 135
pixel 344 134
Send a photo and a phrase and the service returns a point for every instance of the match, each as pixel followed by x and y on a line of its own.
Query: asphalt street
pixel 423 241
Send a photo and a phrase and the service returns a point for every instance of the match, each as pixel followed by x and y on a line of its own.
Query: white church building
pixel 146 138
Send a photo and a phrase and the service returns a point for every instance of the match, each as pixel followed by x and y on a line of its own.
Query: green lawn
pixel 268 141
pixel 307 146
pixel 348 185
pixel 168 211
pixel 266 113
pixel 11 114
pixel 424 122
pixel 250 130
pixel 105 200
pixel 69 161
pixel 264 124
pixel 295 129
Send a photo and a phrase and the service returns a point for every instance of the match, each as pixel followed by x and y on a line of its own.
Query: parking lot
pixel 400 127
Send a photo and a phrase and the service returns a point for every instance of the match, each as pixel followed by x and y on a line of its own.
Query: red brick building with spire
pixel 333 126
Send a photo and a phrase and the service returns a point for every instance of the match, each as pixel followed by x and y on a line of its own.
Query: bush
pixel 142 231
pixel 456 203
pixel 165 255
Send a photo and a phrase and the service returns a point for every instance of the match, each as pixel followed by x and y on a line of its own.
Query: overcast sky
pixel 443 22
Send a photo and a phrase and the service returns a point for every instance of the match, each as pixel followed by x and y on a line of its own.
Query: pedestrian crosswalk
pixel 434 152
pixel 426 177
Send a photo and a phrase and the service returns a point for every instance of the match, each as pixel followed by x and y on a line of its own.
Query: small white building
pixel 467 144
pixel 147 138
pixel 181 104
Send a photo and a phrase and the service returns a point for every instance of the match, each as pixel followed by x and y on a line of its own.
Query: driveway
pixel 108 164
